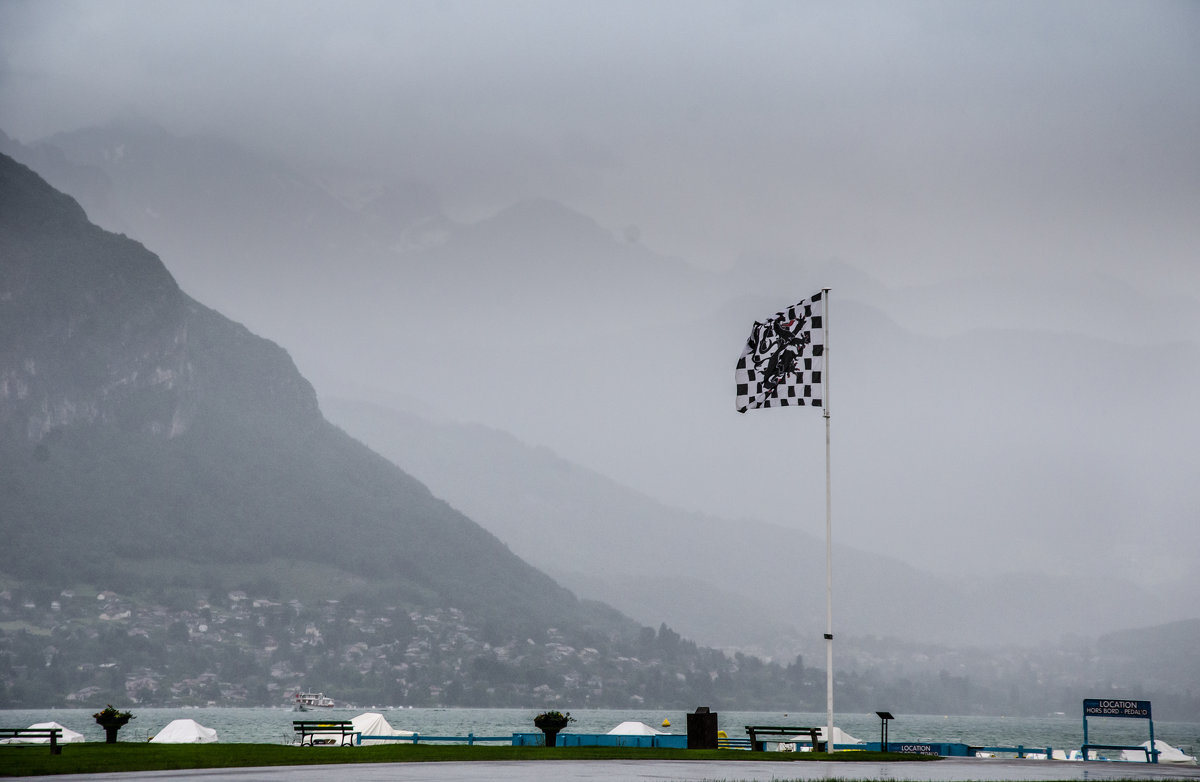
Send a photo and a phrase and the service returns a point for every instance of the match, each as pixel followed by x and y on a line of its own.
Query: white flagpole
pixel 828 539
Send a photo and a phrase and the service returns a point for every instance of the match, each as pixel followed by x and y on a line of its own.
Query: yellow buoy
pixel 666 723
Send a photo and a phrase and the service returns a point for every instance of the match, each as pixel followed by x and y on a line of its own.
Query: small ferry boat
pixel 312 700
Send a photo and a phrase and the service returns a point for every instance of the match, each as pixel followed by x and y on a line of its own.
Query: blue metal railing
pixel 1151 753
pixel 417 738
pixel 1020 750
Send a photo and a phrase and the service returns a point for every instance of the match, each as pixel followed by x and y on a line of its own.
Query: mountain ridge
pixel 636 546
pixel 1063 441
pixel 171 376
pixel 192 482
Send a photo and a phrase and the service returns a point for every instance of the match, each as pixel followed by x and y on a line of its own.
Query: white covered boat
pixel 68 736
pixel 634 729
pixel 184 732
pixel 1166 754
pixel 374 724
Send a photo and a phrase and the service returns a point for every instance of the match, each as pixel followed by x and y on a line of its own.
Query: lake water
pixel 274 725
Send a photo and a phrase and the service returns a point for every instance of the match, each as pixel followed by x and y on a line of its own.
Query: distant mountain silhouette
pixel 139 424
pixel 982 428
pixel 738 584
pixel 160 454
pixel 152 446
pixel 1145 657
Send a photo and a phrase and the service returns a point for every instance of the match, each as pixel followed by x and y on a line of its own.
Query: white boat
pixel 312 700
pixel 1166 754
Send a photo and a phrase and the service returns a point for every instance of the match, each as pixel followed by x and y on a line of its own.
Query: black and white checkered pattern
pixel 782 363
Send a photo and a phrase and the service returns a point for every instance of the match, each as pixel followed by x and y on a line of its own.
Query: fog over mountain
pixel 745 586
pixel 559 221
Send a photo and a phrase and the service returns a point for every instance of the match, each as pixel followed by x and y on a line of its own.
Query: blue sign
pixel 1103 707
pixel 913 749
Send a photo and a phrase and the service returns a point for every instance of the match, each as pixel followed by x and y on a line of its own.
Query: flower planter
pixel 111 726
pixel 112 721
pixel 550 723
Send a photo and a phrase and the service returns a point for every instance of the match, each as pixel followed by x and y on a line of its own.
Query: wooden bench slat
pixel 756 744
pixel 310 723
pixel 54 734
pixel 314 728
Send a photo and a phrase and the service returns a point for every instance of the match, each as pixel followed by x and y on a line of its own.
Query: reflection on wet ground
pixel 946 770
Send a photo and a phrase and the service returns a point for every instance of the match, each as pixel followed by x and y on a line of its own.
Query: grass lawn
pixel 96 757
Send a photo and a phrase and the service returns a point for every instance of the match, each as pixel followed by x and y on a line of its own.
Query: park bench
pixel 756 743
pixel 321 732
pixel 54 734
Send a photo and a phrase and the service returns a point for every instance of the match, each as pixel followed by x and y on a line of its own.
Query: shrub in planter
pixel 550 723
pixel 112 721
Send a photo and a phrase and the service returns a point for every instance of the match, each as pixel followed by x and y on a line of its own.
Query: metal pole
pixel 828 539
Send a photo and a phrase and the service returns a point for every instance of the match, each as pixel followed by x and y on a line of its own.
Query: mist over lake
pixel 432 311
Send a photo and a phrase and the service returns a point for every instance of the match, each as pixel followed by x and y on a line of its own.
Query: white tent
pixel 634 729
pixel 373 724
pixel 68 736
pixel 1166 754
pixel 184 732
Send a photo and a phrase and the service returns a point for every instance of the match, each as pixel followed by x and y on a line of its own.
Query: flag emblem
pixel 782 362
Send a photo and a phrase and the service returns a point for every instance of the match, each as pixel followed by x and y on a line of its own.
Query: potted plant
pixel 550 723
pixel 112 720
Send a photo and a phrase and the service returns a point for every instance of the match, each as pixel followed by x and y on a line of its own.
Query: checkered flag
pixel 782 362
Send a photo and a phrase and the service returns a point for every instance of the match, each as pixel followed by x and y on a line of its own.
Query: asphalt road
pixel 946 770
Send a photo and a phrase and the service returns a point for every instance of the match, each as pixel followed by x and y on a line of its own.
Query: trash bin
pixel 702 729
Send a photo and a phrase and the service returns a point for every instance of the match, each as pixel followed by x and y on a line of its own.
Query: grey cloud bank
pixel 919 140
pixel 981 164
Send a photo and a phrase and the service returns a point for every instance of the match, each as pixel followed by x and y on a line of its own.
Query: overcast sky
pixel 918 140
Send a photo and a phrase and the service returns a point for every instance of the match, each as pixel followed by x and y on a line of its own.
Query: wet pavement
pixel 946 770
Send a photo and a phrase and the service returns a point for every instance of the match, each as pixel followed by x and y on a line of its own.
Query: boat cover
pixel 68 736
pixel 184 732
pixel 372 723
pixel 1166 754
pixel 839 737
pixel 634 729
